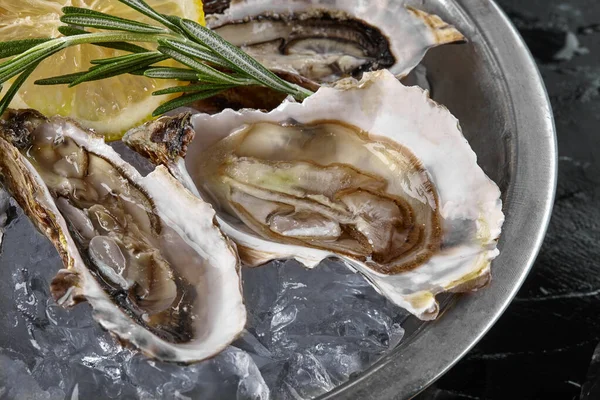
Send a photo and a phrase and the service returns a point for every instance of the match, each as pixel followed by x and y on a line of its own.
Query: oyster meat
pixel 324 40
pixel 144 251
pixel 372 172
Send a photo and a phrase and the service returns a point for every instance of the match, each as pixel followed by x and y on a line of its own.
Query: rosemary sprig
pixel 213 64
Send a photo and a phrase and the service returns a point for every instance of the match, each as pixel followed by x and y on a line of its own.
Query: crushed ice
pixel 308 332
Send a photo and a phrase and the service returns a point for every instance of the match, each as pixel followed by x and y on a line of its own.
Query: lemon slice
pixel 109 106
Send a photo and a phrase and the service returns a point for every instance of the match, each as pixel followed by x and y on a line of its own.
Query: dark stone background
pixel 541 348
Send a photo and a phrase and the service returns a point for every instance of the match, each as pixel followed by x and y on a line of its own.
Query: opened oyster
pixel 371 172
pixel 314 42
pixel 323 40
pixel 143 251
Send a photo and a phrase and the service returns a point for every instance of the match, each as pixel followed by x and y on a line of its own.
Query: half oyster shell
pixel 325 40
pixel 143 251
pixel 371 172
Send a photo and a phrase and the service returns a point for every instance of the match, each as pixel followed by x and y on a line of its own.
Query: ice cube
pixel 16 382
pixel 251 385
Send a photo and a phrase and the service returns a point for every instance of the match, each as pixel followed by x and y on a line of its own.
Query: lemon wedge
pixel 109 106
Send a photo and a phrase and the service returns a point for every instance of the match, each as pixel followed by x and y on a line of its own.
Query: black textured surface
pixel 541 348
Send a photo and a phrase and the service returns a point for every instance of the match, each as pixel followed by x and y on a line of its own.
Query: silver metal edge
pixel 404 374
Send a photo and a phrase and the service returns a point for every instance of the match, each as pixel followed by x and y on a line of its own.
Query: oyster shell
pixel 215 6
pixel 143 251
pixel 324 40
pixel 372 172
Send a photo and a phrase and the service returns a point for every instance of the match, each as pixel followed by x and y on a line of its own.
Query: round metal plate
pixel 493 86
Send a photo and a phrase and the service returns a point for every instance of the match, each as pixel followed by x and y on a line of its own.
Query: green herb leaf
pixel 140 72
pixel 175 20
pixel 129 47
pixel 66 79
pixel 131 63
pixel 14 88
pixel 184 100
pixel 144 8
pixel 242 61
pixel 60 80
pixel 110 23
pixel 181 74
pixel 123 58
pixel 195 50
pixel 71 30
pixel 69 10
pixel 205 72
pixel 14 47
pixel 78 11
pixel 31 57
pixel 192 88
